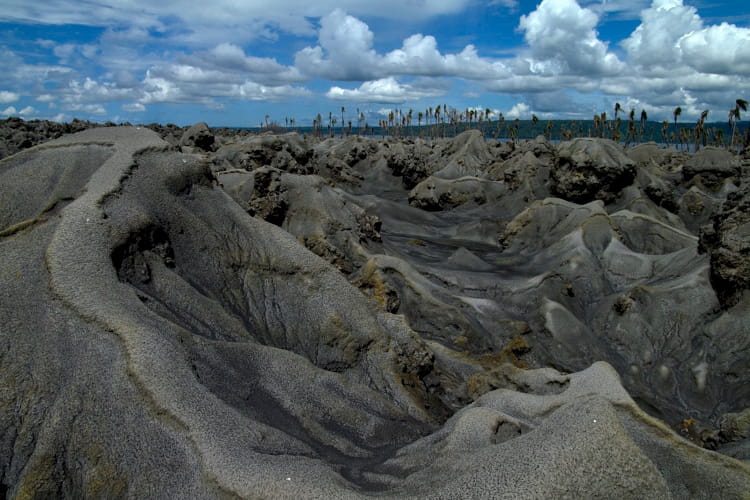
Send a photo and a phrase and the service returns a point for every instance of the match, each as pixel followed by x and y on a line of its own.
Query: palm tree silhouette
pixel 444 115
pixel 500 122
pixel 684 138
pixel 616 129
pixel 734 116
pixel 700 131
pixel 719 138
pixel 597 124
pixel 437 120
pixel 677 112
pixel 631 127
pixel 664 128
pixel 618 108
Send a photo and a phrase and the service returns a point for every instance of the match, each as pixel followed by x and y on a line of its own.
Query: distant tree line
pixel 444 121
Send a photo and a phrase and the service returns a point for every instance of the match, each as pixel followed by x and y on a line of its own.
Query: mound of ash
pixel 203 313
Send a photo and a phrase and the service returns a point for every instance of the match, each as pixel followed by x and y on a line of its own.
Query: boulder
pixel 199 137
pixel 435 193
pixel 591 169
pixel 322 217
pixel 651 153
pixel 467 154
pixel 410 162
pixel 711 166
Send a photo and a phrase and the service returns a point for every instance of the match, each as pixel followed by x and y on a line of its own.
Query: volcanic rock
pixel 591 169
pixel 727 242
pixel 198 137
pixel 17 134
pixel 711 166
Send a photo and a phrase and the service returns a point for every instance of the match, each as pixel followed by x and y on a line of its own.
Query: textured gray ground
pixel 442 319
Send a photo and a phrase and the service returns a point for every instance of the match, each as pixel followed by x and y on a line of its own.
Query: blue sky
pixel 232 62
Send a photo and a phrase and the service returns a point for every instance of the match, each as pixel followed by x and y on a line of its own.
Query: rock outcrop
pixel 727 242
pixel 17 134
pixel 198 138
pixel 591 169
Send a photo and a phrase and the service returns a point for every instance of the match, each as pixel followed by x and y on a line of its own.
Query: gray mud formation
pixel 220 316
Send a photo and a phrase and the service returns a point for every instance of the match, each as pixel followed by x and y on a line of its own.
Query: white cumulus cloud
pixel 519 110
pixel 385 90
pixel 158 89
pixel 654 45
pixel 229 62
pixel 562 32
pixel 722 49
pixel 419 55
pixel 256 92
pixel 68 51
pixel 7 97
pixel 187 84
pixel 345 52
pixel 134 107
pixel 94 109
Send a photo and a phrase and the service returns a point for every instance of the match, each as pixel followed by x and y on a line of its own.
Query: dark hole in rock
pixel 130 257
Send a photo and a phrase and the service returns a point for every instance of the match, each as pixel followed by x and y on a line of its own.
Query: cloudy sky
pixel 234 62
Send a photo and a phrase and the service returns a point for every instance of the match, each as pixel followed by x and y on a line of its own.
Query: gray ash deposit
pixel 205 314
